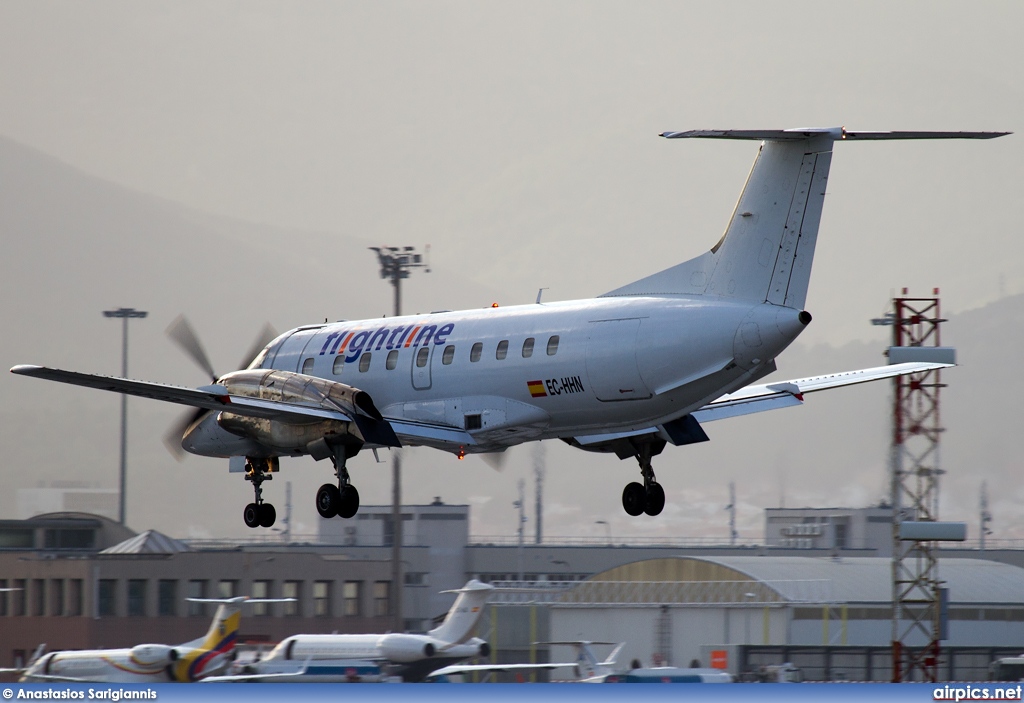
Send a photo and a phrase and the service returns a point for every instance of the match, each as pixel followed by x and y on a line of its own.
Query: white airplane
pixel 370 658
pixel 150 663
pixel 635 369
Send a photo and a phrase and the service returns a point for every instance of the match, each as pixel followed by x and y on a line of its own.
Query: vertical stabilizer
pixel 464 614
pixel 766 252
pixel 206 655
pixel 768 246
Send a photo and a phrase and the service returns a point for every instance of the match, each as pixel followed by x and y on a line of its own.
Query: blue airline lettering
pixel 355 343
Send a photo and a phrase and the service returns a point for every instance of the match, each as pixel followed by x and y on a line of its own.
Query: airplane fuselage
pixel 509 375
pixel 113 665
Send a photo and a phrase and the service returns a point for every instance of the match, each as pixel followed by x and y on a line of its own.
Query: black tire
pixel 251 515
pixel 349 502
pixel 268 515
pixel 634 498
pixel 327 501
pixel 655 499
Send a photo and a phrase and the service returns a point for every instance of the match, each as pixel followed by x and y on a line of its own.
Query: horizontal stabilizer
pixel 836 133
pixel 761 398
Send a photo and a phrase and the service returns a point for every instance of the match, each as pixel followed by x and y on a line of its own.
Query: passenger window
pixel 364 362
pixel 552 345
pixel 502 350
pixel 528 348
pixel 449 354
pixel 476 351
pixel 339 364
pixel 421 356
pixel 392 361
pixel 307 366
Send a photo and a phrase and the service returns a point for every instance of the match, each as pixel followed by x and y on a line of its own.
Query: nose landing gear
pixel 258 513
pixel 648 497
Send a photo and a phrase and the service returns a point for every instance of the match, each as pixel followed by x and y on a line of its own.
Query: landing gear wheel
pixel 634 498
pixel 268 515
pixel 328 499
pixel 349 502
pixel 251 515
pixel 655 499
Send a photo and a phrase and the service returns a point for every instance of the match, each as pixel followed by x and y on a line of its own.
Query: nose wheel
pixel 258 513
pixel 647 497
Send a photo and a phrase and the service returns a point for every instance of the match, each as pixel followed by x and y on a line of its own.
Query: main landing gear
pixel 341 500
pixel 648 497
pixel 258 513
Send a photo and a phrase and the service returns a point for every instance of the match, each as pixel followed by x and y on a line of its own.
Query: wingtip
pixel 24 369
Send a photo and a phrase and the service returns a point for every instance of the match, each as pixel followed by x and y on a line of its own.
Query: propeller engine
pixel 182 334
pixel 299 389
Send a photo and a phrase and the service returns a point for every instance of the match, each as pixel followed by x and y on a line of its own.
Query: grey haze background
pixel 232 161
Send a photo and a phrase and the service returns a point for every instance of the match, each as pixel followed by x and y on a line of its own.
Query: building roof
pixel 827 579
pixel 148 542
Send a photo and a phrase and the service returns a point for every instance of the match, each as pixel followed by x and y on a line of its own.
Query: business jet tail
pixel 464 614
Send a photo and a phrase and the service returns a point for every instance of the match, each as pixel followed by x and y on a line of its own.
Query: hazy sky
pixel 519 139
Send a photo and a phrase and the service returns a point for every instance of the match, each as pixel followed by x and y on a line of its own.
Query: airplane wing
pixel 760 398
pixel 244 678
pixel 208 397
pixel 217 398
pixel 782 394
pixel 492 668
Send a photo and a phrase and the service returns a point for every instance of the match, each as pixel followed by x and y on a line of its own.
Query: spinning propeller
pixel 182 334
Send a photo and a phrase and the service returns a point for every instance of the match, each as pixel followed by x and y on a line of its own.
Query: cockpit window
pixel 257 363
pixel 265 359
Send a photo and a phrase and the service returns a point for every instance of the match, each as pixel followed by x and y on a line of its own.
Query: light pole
pixel 608 529
pixel 125 314
pixel 750 597
pixel 395 263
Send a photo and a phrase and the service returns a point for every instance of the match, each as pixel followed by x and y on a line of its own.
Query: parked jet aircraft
pixel 370 658
pixel 150 663
pixel 639 367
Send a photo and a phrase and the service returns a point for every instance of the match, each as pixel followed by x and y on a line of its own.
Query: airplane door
pixel 611 360
pixel 421 367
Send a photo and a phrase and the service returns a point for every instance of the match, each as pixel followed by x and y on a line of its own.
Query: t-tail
pixel 208 654
pixel 766 252
pixel 211 652
pixel 464 614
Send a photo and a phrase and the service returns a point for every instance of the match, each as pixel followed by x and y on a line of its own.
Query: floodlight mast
pixel 395 263
pixel 124 314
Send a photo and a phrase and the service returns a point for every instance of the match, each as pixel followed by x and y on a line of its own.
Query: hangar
pixel 675 610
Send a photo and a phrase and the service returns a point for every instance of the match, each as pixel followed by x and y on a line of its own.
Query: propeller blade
pixel 265 337
pixel 185 337
pixel 174 435
pixel 496 460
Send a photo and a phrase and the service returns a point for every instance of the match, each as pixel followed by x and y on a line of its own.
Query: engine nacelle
pixel 299 389
pixel 153 654
pixel 405 648
pixel 474 647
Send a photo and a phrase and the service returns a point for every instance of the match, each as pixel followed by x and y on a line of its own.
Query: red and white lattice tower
pixel 915 472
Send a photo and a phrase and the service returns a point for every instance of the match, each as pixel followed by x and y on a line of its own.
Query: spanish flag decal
pixel 536 388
